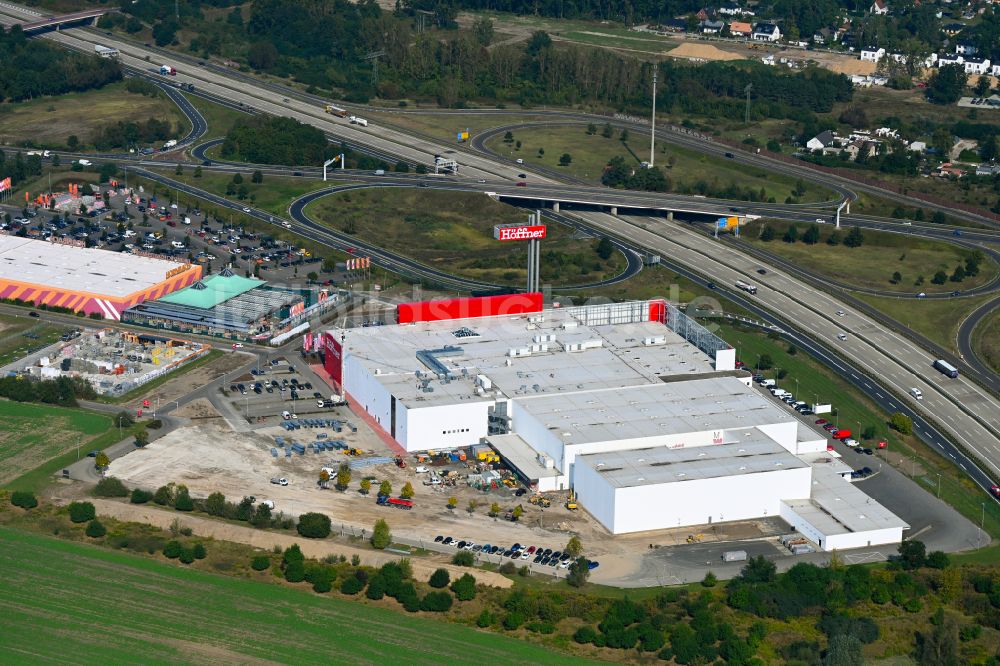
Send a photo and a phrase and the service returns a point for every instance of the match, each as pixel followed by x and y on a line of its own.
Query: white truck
pixel 169 144
pixel 358 120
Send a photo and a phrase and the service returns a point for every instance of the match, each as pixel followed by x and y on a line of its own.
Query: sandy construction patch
pixel 849 67
pixel 703 52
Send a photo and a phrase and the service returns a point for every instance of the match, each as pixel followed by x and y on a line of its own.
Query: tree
pixel 604 248
pixel 215 504
pixel 854 237
pixel 381 536
pixel 402 167
pixel 257 177
pixel 164 32
pixel 811 236
pixel 101 460
pixel 110 487
pixel 758 570
pixel 982 88
pixel 482 30
pixel 939 647
pixel 508 137
pixel 833 238
pixel 366 486
pixel 946 84
pixel 937 560
pixel 343 477
pixel 591 129
pixel 897 277
pixel 260 563
pixel 385 489
pixel 197 171
pixel 565 159
pixel 912 554
pixel 81 512
pixel 959 274
pixel 901 423
pixel 844 650
pixel 439 578
pixel 623 137
pixel 573 547
pixel 767 234
pixel 72 142
pixel 579 572
pixel 606 131
pixel 183 501
pixel 452 503
pixel 314 525
pixel 324 478
pixel 471 508
pixel 95 529
pixel 791 234
pixel 517 512
pixel 140 496
pixel 463 558
pixel 494 510
pixel 407 491
pixel 178 170
pixel 142 438
pixel 710 580
pixel 765 362
pixel 940 277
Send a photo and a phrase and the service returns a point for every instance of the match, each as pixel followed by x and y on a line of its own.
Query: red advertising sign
pixel 519 232
pixel 333 359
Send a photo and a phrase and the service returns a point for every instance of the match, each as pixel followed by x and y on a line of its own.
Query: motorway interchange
pixel 880 361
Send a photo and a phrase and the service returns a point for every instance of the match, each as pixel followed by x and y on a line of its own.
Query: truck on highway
pixel 746 286
pixel 358 120
pixel 105 51
pixel 946 368
pixel 167 70
pixel 169 144
pixel 335 111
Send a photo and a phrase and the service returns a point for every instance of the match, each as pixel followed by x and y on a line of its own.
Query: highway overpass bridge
pixel 71 20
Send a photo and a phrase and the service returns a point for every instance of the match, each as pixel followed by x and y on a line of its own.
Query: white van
pixel 286 415
pixel 916 393
pixel 420 469
pixel 768 383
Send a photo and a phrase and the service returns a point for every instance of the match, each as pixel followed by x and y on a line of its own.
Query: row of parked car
pixel 783 395
pixel 541 556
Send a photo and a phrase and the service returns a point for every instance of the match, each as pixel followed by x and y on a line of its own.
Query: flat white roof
pixel 520 454
pixel 660 464
pixel 837 506
pixel 618 356
pixel 71 268
pixel 695 405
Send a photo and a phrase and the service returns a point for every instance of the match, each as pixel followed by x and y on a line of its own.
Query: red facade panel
pixel 462 308
pixel 658 311
pixel 333 360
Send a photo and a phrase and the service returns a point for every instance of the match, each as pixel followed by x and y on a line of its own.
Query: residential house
pixel 966 48
pixel 977 65
pixel 768 59
pixel 917 146
pixel 988 170
pixel 898 57
pixel 766 32
pixel 740 29
pixel 826 36
pixel 949 59
pixel 821 140
pixel 946 170
pixel 734 10
pixel 872 54
pixel 879 8
pixel 995 69
pixel 712 27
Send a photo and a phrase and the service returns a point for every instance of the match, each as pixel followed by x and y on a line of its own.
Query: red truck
pixel 396 502
pixel 841 434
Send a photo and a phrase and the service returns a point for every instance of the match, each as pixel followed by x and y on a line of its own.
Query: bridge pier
pixel 614 210
pixel 555 206
pixel 847 208
pixel 670 216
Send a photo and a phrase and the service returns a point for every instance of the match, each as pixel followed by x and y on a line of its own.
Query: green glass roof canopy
pixel 212 290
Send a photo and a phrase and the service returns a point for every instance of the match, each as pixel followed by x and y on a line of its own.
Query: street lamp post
pixel 939 486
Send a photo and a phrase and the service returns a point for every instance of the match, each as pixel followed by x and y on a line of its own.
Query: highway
pixel 959 407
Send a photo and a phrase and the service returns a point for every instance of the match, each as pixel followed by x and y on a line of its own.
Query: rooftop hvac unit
pixel 484 381
pixel 654 340
pixel 569 325
pixel 544 337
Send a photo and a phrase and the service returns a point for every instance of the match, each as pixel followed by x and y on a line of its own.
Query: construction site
pixel 115 361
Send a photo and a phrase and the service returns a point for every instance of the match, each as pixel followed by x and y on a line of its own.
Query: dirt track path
pixel 422 569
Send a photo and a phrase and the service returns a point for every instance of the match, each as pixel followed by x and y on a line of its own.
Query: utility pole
pixel 652 133
pixel 177 9
pixel 374 56
pixel 747 91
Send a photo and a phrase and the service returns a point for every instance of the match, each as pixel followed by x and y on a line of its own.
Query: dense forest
pixel 19 167
pixel 272 140
pixel 31 68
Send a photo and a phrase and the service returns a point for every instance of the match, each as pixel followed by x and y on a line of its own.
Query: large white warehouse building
pixel 631 405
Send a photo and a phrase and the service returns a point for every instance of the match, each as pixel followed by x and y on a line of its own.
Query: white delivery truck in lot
pixel 734 556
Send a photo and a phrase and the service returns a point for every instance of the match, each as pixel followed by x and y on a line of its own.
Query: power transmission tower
pixel 374 56
pixel 747 91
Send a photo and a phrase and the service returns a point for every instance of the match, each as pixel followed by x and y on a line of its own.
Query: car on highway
pixel 921 295
pixel 955 293
pixel 34 314
pixel 520 161
pixel 522 175
pixel 762 271
pixel 246 210
pixel 841 336
pixel 820 220
pixel 521 183
pixel 840 313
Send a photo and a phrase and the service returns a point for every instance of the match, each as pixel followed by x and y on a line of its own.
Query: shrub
pixel 314 525
pixel 407 595
pixel 172 549
pixel 323 585
pixel 376 587
pixel 381 536
pixel 439 578
pixel 351 585
pixel 164 495
pixel 140 496
pixel 937 560
pixel 464 588
pixel 95 529
pixel 24 499
pixel 508 568
pixel 463 558
pixel 513 620
pixel 295 571
pixel 437 602
pixel 585 634
pixel 183 501
pixel 260 563
pixel 199 551
pixel 110 487
pixel 187 556
pixel 81 512
pixel 709 580
pixel 484 620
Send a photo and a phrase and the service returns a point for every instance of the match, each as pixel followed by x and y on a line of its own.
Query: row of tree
pixel 33 68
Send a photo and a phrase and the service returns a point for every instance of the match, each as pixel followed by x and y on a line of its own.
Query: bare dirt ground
pixel 164 519
pixel 693 51
pixel 199 409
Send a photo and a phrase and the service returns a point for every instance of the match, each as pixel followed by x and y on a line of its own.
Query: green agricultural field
pixel 106 607
pixel 688 171
pixel 32 434
pixel 873 265
pixel 453 231
pixel 48 121
pixel 20 335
